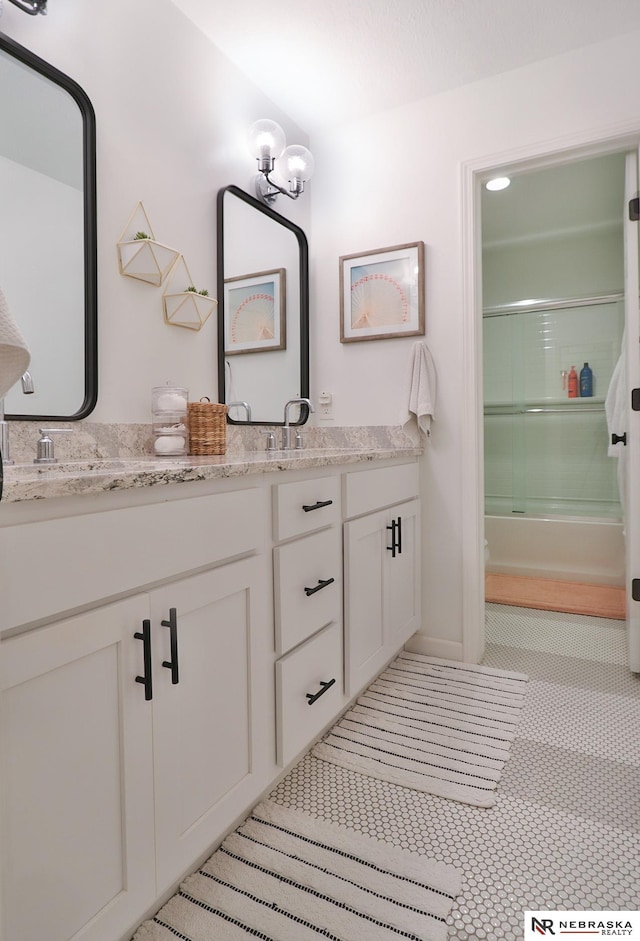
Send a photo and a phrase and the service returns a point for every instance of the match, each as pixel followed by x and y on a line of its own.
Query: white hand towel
pixel 422 387
pixel 14 353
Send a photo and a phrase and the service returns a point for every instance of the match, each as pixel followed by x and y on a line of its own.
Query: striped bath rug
pixel 434 725
pixel 286 876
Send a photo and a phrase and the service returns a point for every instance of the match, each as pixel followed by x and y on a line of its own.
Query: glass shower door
pixel 546 453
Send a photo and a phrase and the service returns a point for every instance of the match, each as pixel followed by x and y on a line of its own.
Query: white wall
pixel 397 177
pixel 172 115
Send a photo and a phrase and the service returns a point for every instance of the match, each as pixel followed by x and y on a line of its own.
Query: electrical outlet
pixel 325 406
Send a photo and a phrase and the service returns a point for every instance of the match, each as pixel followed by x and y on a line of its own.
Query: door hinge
pixel 634 209
pixel 635 589
pixel 635 400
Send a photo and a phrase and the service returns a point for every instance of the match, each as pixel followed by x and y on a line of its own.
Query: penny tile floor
pixel 565 830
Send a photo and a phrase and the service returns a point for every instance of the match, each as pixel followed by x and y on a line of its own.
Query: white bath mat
pixel 433 725
pixel 286 876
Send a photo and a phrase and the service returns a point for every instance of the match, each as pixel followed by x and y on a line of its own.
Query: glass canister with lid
pixel 169 417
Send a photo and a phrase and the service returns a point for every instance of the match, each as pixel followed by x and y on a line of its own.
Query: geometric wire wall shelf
pixel 143 258
pixel 184 308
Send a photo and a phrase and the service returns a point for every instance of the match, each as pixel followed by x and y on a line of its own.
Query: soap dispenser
pixel 586 381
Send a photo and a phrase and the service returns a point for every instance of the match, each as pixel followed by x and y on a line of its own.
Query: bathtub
pixel 564 548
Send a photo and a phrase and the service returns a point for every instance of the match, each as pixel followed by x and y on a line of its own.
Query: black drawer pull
pixel 145 637
pixel 317 506
pixel 312 697
pixel 619 439
pixel 322 583
pixel 172 664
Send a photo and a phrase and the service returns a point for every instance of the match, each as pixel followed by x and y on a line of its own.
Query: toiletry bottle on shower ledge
pixel 572 383
pixel 586 381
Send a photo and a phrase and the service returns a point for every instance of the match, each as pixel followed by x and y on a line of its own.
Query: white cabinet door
pixel 382 589
pixel 77 777
pixel 212 731
pixel 402 585
pixel 365 542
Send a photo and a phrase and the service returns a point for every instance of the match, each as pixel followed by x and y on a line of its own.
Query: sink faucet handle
pixel 44 445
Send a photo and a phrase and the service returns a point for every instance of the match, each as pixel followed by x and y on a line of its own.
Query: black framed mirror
pixel 48 242
pixel 263 310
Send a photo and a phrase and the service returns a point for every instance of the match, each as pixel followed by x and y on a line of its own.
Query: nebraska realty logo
pixel 582 924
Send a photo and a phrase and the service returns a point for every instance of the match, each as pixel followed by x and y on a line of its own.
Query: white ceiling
pixel 328 62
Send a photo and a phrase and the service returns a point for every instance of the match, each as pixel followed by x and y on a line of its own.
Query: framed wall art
pixel 254 312
pixel 382 293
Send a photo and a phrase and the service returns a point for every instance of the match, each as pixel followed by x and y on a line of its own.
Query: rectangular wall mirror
pixel 48 233
pixel 263 310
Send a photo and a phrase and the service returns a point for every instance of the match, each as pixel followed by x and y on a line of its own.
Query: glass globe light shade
pixel 297 163
pixel 266 140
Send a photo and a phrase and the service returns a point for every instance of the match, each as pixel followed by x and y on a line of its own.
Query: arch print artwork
pixel 382 293
pixel 254 310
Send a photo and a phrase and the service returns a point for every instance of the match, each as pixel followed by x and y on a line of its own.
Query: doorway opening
pixel 552 327
pixel 573 150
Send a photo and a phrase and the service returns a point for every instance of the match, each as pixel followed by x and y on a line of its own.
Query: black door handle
pixel 396 537
pixel 312 697
pixel 316 506
pixel 618 439
pixel 322 583
pixel 392 548
pixel 172 664
pixel 146 679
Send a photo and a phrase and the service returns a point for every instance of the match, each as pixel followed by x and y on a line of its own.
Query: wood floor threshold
pixel 602 601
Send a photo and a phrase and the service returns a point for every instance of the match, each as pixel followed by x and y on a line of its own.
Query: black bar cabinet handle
pixel 316 506
pixel 619 439
pixel 322 583
pixel 392 548
pixel 399 543
pixel 312 697
pixel 172 664
pixel 145 637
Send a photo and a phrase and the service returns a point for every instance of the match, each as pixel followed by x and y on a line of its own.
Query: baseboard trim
pixel 434 647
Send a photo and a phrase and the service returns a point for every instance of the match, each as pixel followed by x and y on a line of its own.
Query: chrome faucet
pixel 27 388
pixel 244 405
pixel 286 430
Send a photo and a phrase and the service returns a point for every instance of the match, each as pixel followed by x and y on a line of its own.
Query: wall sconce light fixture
pixel 296 164
pixel 33 7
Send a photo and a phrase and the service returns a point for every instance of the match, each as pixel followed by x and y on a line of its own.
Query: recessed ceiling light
pixel 498 183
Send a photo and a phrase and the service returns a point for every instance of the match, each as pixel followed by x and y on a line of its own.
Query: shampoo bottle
pixel 572 383
pixel 586 381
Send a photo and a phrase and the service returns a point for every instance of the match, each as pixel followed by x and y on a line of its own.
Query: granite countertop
pixel 72 478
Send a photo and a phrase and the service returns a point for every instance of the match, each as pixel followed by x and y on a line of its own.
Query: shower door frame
pixel 537 156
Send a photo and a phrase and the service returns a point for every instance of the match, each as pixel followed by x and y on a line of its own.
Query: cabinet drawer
pixel 368 490
pixel 57 565
pixel 306 505
pixel 305 599
pixel 299 676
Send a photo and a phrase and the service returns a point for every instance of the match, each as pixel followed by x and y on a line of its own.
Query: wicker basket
pixel 207 428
